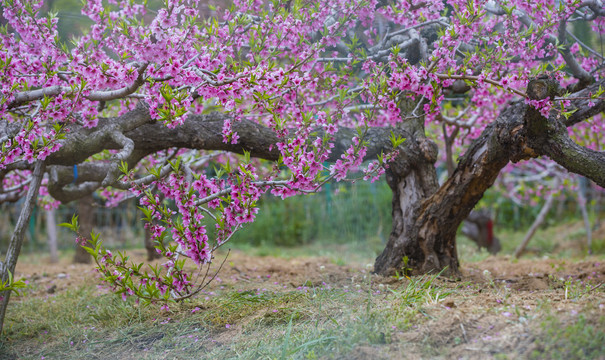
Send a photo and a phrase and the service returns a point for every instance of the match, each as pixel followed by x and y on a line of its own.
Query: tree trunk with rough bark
pixel 426 232
pixel 425 221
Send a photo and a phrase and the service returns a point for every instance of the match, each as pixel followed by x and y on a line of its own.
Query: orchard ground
pixel 323 303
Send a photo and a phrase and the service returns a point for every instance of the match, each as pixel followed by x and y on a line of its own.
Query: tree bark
pixel 429 238
pixel 14 246
pixel 424 227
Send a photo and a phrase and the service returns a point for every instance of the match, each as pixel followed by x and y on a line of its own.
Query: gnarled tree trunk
pixel 424 228
pixel 425 225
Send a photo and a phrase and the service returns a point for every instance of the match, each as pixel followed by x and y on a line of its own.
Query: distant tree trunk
pixel 51 231
pixel 582 200
pixel 152 253
pixel 597 209
pixel 479 227
pixel 534 227
pixel 86 221
pixel 3 21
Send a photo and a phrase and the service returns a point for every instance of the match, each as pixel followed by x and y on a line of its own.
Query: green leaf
pixel 73 226
pixel 396 140
pixel 123 167
pixel 89 250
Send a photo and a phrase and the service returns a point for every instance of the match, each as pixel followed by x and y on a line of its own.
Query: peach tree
pixel 152 96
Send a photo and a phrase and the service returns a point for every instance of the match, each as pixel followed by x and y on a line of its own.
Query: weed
pixel 574 290
pixel 577 340
pixel 286 343
pixel 558 266
pixel 410 298
pixel 406 271
pixel 420 289
pixel 502 292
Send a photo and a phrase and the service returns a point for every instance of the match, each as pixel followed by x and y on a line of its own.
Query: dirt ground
pixel 528 275
pixel 238 268
pixel 492 315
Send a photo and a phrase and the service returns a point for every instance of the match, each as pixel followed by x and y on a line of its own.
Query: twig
pixel 476 78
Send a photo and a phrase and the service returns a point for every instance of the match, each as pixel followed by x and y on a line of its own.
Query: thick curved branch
pixel 204 132
pixel 81 143
pixel 201 132
pixel 549 136
pixel 63 186
pixel 114 167
pixel 575 158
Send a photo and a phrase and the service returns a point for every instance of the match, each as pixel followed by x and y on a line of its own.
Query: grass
pixel 359 316
pixel 322 321
pixel 579 339
pixel 566 239
pixel 353 253
pixel 306 323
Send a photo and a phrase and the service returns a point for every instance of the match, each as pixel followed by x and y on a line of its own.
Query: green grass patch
pixel 566 239
pixel 576 339
pixel 353 253
pixel 315 322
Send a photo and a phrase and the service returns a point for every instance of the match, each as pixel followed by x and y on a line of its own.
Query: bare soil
pixel 528 275
pixel 239 268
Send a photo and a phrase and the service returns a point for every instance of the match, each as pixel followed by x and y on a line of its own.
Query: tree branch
pixel 31 95
pixel 14 246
